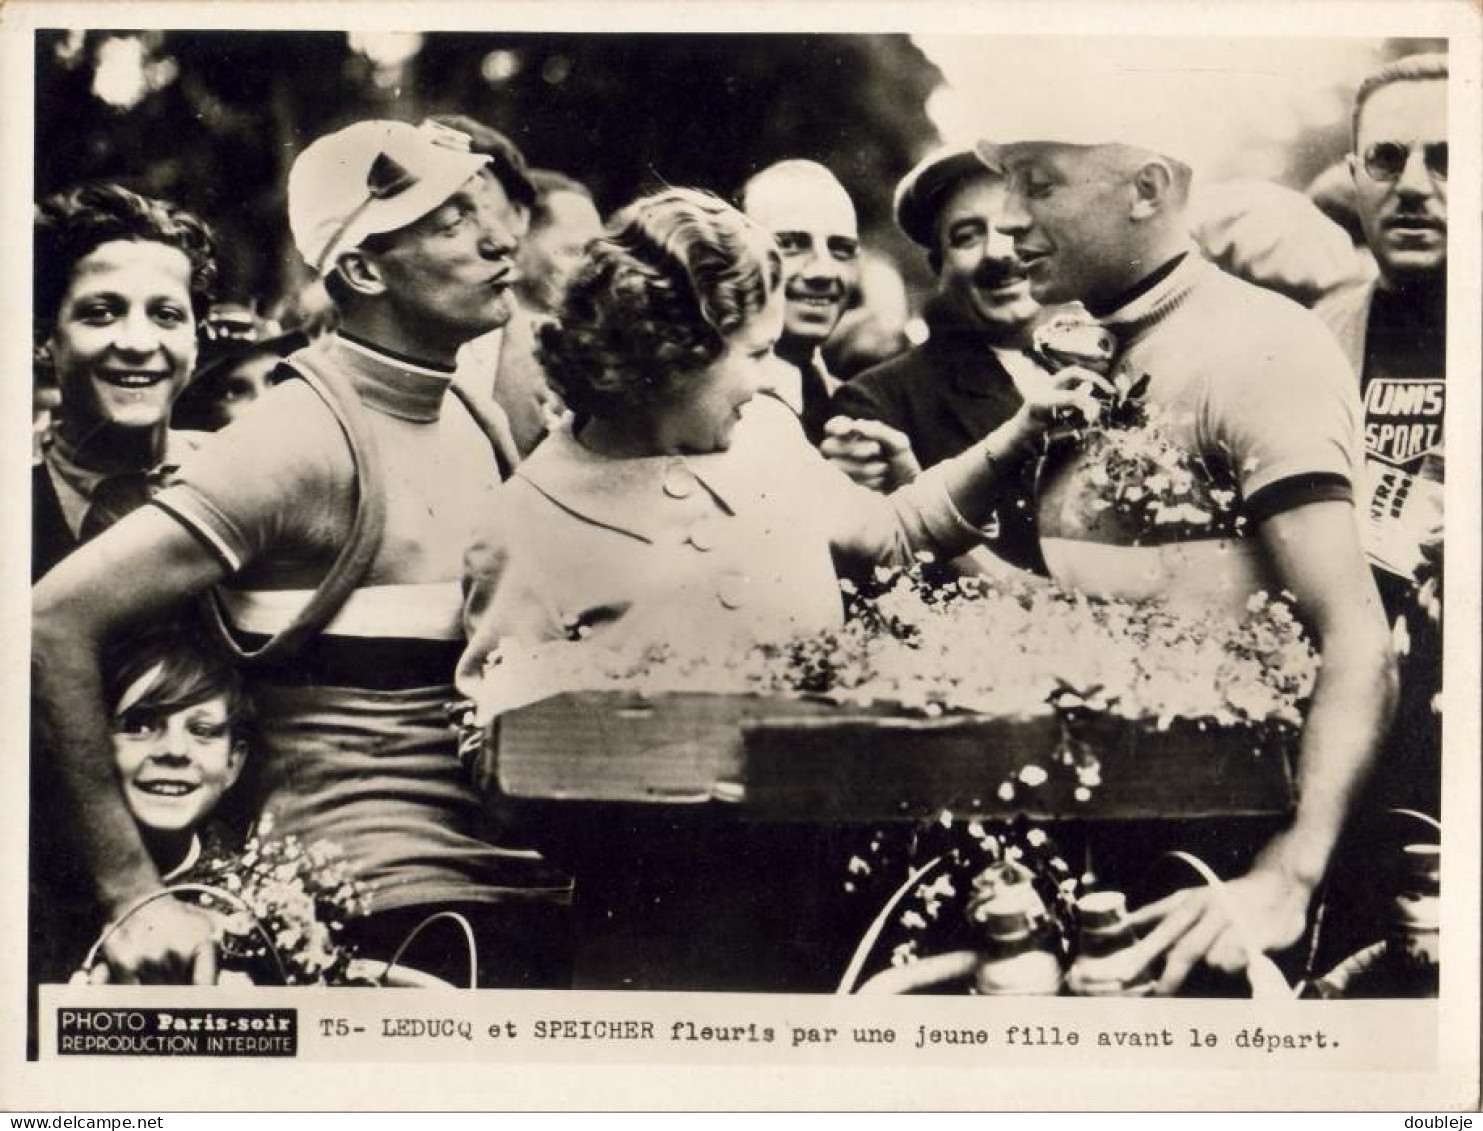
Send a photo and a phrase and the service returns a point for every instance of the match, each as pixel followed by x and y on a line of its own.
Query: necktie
pixel 115 497
pixel 815 402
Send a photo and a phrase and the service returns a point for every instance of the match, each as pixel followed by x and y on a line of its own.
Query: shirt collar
pixel 58 455
pixel 625 494
pixel 1141 287
pixel 187 862
pixel 390 383
pixel 1023 369
pixel 75 485
pixel 1149 304
pixel 786 380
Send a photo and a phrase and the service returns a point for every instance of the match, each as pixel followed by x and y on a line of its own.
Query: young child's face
pixel 243 385
pixel 175 765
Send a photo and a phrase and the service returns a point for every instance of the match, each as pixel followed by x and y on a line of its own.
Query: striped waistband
pixel 425 611
pixel 370 663
pixel 386 637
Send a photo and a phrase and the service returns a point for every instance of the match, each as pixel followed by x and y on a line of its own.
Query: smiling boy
pixel 121 281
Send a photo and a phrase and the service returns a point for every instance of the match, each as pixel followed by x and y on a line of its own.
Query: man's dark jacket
pixel 946 395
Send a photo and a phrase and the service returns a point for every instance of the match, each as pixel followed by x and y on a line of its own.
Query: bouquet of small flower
pixel 293 896
pixel 1131 456
pixel 955 868
pixel 1139 470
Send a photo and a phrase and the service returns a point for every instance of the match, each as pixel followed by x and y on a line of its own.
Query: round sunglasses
pixel 1386 160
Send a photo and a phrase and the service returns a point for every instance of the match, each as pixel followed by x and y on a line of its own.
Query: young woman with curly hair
pixel 679 507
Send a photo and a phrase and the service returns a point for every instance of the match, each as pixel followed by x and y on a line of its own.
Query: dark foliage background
pixel 220 115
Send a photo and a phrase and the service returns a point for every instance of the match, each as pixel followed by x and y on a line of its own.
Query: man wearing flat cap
pixel 327 528
pixel 945 395
pixel 1250 386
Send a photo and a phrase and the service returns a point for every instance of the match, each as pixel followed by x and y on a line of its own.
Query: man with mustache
pixel 939 398
pixel 1394 331
pixel 327 530
pixel 1252 394
pixel 813 221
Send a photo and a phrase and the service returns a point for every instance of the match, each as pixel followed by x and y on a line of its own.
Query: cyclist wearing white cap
pixel 328 528
pixel 1251 387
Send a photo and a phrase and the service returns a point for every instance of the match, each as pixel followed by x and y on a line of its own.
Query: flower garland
pixel 991 646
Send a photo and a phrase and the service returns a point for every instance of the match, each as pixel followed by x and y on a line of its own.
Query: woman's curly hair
pixel 71 225
pixel 654 301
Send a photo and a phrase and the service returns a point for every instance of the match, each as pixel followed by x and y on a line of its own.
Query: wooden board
pixel 799 759
pixel 908 769
pixel 623 746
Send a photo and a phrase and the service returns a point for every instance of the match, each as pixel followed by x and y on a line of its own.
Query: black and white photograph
pixel 654 536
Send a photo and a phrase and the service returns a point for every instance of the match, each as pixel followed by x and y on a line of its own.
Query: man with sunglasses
pixel 1394 331
pixel 328 529
pixel 1249 388
pixel 1394 328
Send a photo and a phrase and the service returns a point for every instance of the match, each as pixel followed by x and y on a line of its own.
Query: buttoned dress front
pixel 695 552
pixel 699 553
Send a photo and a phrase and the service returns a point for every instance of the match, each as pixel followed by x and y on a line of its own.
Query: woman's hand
pixel 1072 396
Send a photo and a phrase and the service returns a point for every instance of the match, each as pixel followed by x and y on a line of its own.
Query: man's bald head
pixel 810 215
pixel 1089 221
pixel 781 187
